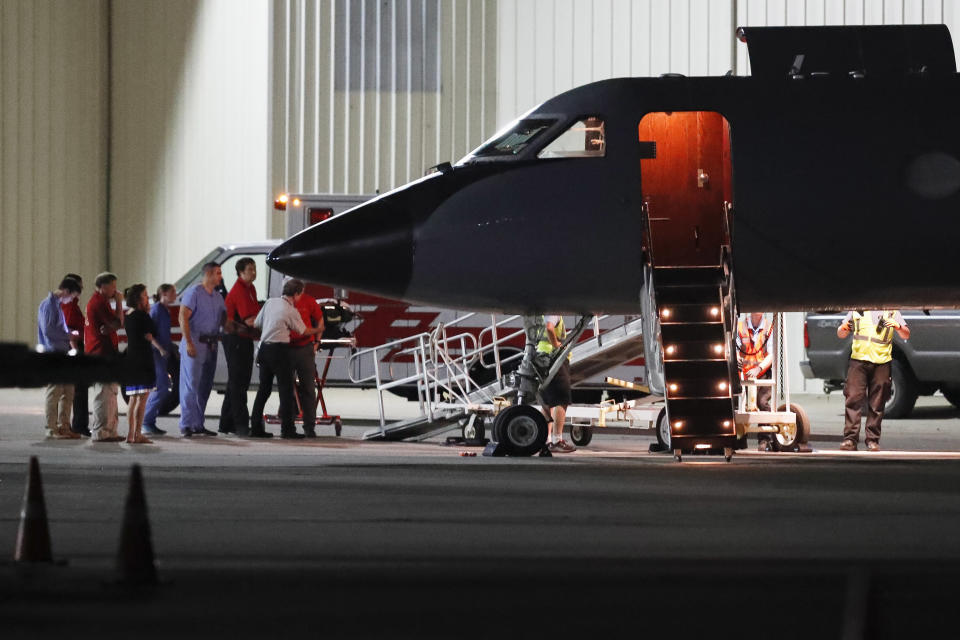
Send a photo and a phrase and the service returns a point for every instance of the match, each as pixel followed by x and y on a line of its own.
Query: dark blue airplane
pixel 829 178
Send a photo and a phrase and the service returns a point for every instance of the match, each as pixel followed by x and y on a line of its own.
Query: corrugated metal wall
pixel 367 94
pixel 52 151
pixel 549 46
pixel 189 162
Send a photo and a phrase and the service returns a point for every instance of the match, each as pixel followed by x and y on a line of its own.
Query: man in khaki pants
pixel 54 336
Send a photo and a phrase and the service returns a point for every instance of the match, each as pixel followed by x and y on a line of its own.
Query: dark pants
pixel 305 365
pixel 870 382
pixel 81 410
pixel 274 361
pixel 234 416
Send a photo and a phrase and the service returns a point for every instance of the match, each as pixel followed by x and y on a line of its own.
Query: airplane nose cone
pixel 369 248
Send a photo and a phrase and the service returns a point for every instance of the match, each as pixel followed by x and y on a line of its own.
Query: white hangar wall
pixel 189 156
pixel 52 151
pixel 549 46
pixel 368 94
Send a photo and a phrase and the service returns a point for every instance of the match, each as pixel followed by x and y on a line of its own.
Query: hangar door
pixel 686 183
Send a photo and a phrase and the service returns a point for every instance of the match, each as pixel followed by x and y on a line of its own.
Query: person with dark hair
pixel 74 317
pixel 104 318
pixel 303 357
pixel 276 320
pixel 54 335
pixel 202 314
pixel 160 314
pixel 139 360
pixel 242 309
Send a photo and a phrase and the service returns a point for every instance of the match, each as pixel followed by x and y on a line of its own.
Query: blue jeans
pixel 196 383
pixel 159 397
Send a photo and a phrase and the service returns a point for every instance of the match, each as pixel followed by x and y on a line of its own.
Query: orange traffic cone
pixel 33 536
pixel 135 556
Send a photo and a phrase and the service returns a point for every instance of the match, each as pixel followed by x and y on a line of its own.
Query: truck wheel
pixel 903 391
pixel 792 436
pixel 521 430
pixel 581 434
pixel 952 393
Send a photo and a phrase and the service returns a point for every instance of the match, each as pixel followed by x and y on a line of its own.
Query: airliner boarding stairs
pixel 451 363
pixel 697 321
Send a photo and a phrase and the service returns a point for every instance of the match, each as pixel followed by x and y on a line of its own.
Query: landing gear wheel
pixel 337 427
pixel 792 436
pixel 728 453
pixel 521 430
pixel 678 455
pixel 476 431
pixel 663 430
pixel 581 434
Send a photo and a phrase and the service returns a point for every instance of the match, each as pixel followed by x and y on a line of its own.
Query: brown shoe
pixel 873 446
pixel 848 445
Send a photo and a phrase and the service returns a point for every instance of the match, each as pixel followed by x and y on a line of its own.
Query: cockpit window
pixel 515 140
pixel 585 139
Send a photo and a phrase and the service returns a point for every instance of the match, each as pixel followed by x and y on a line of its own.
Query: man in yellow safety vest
pixel 556 396
pixel 868 374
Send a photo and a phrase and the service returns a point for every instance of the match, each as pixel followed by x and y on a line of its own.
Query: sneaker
pixel 204 432
pixel 309 433
pixel 292 435
pixel 552 447
pixel 153 431
pixel 848 445
pixel 186 433
pixel 564 447
pixel 873 446
pixel 260 434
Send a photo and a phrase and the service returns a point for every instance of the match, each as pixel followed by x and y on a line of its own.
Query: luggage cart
pixel 789 424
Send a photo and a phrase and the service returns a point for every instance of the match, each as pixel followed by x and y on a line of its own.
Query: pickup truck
pixel 927 362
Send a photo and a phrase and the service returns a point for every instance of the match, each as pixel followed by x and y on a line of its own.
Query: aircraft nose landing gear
pixel 521 430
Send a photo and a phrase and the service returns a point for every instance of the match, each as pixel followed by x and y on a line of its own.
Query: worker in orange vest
pixel 755 359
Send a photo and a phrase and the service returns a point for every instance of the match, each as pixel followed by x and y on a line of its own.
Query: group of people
pixel 867 385
pixel 288 328
pixel 63 327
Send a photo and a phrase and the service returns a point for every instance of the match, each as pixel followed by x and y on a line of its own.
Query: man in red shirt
pixel 75 321
pixel 242 310
pixel 303 351
pixel 104 318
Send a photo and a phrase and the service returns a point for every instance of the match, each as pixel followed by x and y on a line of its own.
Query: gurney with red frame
pixel 321 381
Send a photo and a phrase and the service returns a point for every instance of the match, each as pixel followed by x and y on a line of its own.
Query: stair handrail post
pixel 496 350
pixel 376 373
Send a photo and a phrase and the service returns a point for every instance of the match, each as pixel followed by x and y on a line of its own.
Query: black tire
pixel 952 393
pixel 521 430
pixel 662 429
pixel 903 391
pixel 581 434
pixel 791 439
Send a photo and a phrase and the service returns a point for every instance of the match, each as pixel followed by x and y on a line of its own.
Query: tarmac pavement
pixel 344 538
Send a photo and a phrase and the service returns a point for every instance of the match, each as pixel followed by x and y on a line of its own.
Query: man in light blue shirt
pixel 202 314
pixel 53 335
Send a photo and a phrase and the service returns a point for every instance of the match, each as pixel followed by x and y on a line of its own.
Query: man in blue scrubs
pixel 202 314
